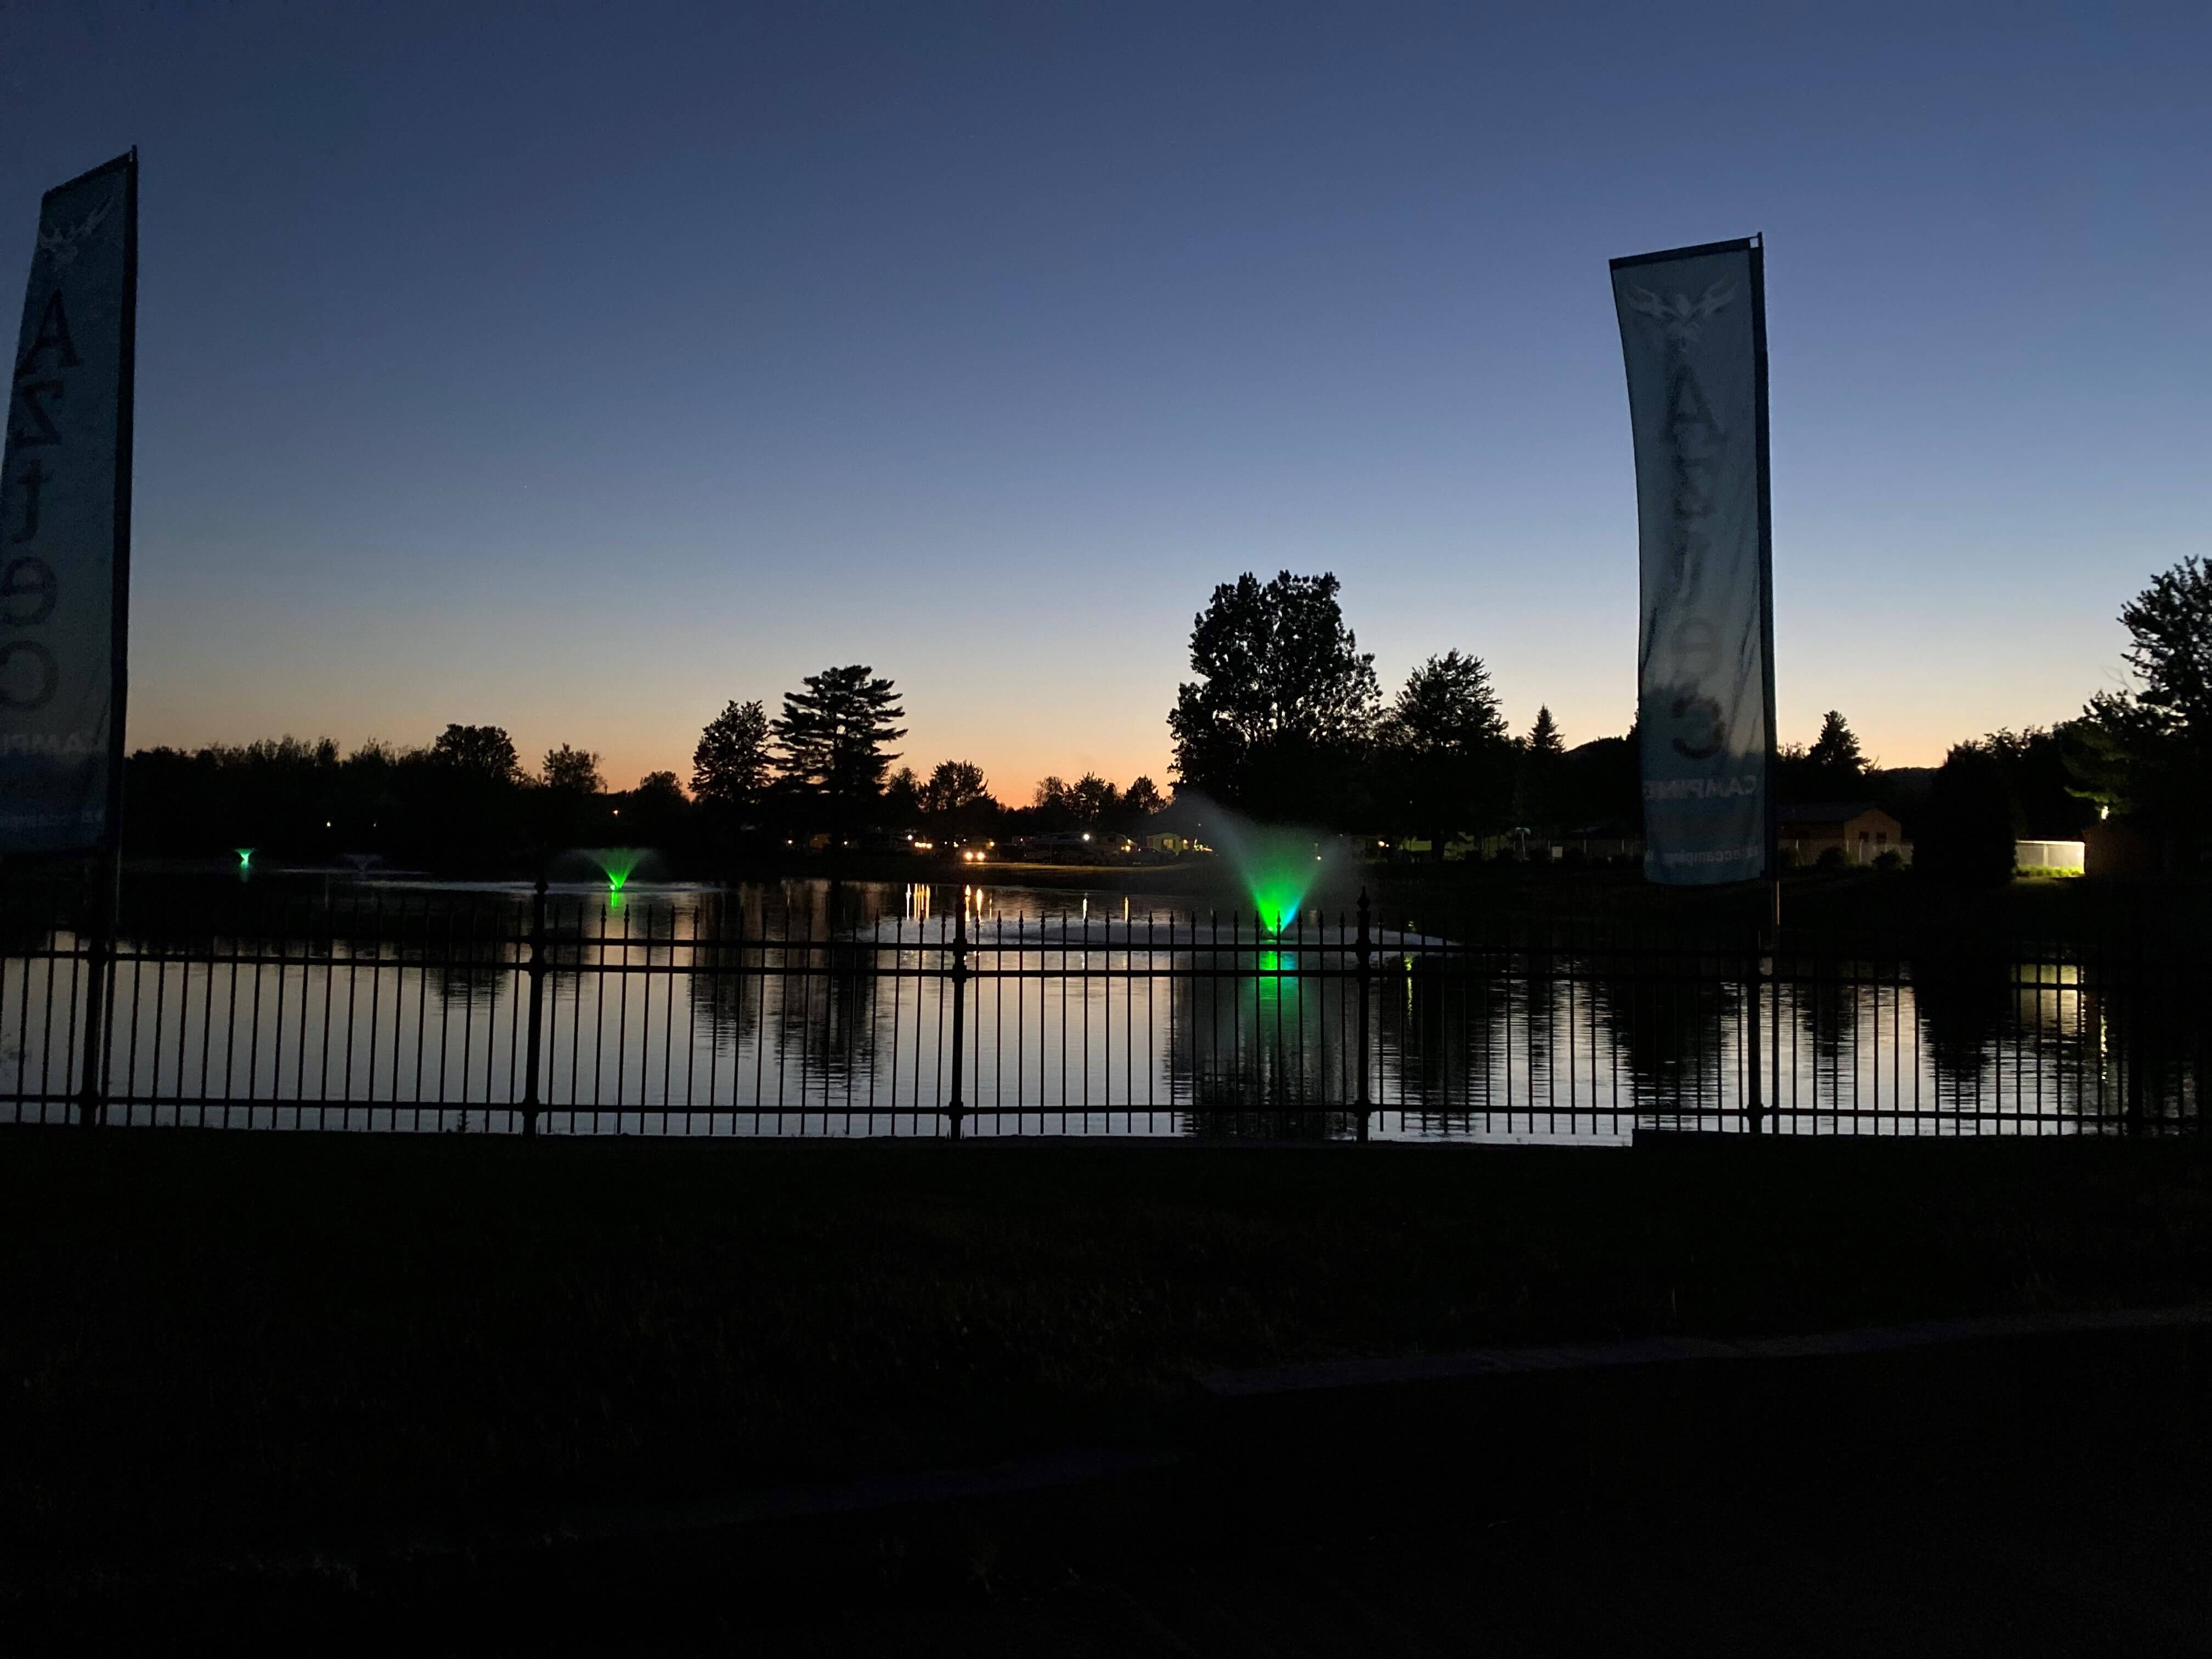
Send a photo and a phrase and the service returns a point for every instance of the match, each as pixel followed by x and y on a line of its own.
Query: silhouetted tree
pixel 901 800
pixel 2116 754
pixel 957 799
pixel 1093 799
pixel 470 799
pixel 2038 783
pixel 1536 782
pixel 2170 647
pixel 730 766
pixel 1967 827
pixel 1285 702
pixel 566 808
pixel 1838 767
pixel 1052 806
pixel 1142 799
pixel 481 751
pixel 2153 747
pixel 954 785
pixel 831 740
pixel 573 771
pixel 656 813
pixel 1445 750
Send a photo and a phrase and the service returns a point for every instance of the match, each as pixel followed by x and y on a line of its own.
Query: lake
pixel 809 1007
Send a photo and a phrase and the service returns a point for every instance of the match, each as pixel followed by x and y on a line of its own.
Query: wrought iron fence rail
pixel 1443 964
pixel 419 1013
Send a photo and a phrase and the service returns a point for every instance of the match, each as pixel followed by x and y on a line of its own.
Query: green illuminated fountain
pixel 245 857
pixel 618 863
pixel 1278 866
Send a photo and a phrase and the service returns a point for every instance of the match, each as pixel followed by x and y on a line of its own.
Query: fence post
pixel 537 972
pixel 99 999
pixel 1367 1101
pixel 956 1107
pixel 1754 1051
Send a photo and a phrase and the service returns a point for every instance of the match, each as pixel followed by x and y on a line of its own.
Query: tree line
pixel 819 772
pixel 1284 719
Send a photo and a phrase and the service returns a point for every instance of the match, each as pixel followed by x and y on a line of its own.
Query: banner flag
pixel 65 520
pixel 1693 331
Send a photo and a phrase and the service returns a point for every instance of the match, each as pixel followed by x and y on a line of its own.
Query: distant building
pixel 1177 829
pixel 1858 829
pixel 2062 857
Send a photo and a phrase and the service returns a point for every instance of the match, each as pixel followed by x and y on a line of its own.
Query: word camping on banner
pixel 1693 331
pixel 65 519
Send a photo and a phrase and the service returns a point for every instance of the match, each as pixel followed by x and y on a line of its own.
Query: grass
pixel 248 1343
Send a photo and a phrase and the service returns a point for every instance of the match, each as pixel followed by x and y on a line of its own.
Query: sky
pixel 581 369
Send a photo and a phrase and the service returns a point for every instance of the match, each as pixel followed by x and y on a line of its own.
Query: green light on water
pixel 618 863
pixel 245 857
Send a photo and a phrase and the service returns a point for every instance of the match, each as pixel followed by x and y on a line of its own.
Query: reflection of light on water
pixel 1464 1052
pixel 2045 993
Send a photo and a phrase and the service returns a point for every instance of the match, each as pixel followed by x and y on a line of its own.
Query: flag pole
pixel 107 857
pixel 1770 930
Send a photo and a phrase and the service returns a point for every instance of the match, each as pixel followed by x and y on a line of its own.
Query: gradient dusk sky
pixel 578 369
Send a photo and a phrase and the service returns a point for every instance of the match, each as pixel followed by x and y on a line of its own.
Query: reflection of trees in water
pixel 726 989
pixel 2110 1033
pixel 2146 1047
pixel 1668 1011
pixel 1841 1041
pixel 1253 1051
pixel 472 962
pixel 823 1016
pixel 1962 995
pixel 1441 1023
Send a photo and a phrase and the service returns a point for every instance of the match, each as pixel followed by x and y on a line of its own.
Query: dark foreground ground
pixel 408 1393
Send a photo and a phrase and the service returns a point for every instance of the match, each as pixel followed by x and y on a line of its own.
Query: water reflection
pixel 808 1004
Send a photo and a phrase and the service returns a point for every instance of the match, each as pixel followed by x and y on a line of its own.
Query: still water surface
pixel 807 1008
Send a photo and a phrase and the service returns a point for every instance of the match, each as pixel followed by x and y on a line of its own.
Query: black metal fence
pixel 569 1014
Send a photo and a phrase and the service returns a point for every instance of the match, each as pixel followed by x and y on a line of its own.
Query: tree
pixel 902 802
pixel 832 739
pixel 2117 753
pixel 573 771
pixel 1536 784
pixel 957 799
pixel 730 766
pixel 953 786
pixel 1093 799
pixel 1142 799
pixel 484 752
pixel 1444 748
pixel 2169 649
pixel 1966 829
pixel 1053 805
pixel 1284 703
pixel 2039 782
pixel 1834 760
pixel 655 814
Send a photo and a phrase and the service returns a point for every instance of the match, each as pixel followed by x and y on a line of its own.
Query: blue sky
pixel 579 368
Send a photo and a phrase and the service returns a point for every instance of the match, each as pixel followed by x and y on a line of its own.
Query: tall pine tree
pixel 833 740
